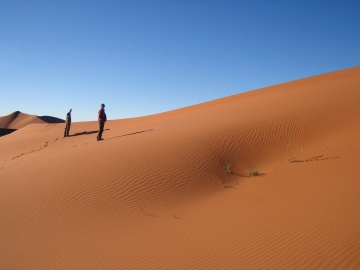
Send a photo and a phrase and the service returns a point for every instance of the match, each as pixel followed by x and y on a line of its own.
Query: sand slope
pixel 17 120
pixel 152 195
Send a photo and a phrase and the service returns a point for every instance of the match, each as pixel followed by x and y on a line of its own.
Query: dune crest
pixel 17 120
pixel 155 193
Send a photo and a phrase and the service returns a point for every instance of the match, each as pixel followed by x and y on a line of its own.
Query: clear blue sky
pixel 142 57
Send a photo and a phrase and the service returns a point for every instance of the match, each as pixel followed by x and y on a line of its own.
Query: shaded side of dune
pixel 5 121
pixel 17 120
pixel 6 131
pixel 51 119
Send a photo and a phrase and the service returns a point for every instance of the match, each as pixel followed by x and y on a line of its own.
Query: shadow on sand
pixel 6 131
pixel 86 132
pixel 130 134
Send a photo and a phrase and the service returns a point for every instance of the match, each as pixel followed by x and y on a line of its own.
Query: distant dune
pixel 175 190
pixel 16 120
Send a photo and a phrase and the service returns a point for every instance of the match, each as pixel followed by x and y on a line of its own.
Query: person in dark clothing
pixel 67 123
pixel 102 119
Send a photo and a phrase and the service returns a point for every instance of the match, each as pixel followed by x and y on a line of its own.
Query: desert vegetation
pixel 293 158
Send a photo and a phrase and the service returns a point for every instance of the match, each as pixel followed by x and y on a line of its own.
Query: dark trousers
pixel 101 129
pixel 67 129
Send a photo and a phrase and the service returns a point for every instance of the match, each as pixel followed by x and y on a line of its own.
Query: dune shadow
pixel 51 119
pixel 6 131
pixel 86 132
pixel 133 133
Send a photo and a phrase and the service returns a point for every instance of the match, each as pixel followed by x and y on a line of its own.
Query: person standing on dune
pixel 102 119
pixel 67 123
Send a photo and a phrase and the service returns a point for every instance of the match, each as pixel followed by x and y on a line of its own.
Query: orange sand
pixel 18 120
pixel 152 195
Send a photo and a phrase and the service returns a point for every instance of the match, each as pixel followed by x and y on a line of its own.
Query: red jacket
pixel 102 115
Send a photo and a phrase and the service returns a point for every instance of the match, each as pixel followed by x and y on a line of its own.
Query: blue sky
pixel 142 57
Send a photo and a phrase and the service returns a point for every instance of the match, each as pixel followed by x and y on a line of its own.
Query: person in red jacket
pixel 102 119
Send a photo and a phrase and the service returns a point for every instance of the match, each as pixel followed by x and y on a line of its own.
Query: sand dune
pixel 17 120
pixel 154 194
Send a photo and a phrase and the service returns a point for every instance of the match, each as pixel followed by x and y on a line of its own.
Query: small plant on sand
pixel 227 169
pixel 293 159
pixel 254 172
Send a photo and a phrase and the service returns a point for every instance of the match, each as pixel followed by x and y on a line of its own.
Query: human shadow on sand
pixel 133 133
pixel 86 132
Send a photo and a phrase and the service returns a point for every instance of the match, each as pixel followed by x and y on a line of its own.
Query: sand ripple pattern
pixel 152 195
